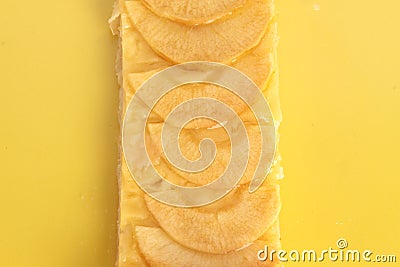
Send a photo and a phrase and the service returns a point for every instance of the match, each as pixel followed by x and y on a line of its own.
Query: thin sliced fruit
pixel 194 12
pixel 188 92
pixel 137 55
pixel 189 140
pixel 132 83
pixel 221 41
pixel 272 237
pixel 271 93
pixel 258 64
pixel 189 150
pixel 159 250
pixel 228 224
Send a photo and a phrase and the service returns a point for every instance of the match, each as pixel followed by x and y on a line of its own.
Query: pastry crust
pixel 139 215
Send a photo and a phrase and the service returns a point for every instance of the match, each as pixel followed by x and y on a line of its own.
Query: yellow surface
pixel 340 89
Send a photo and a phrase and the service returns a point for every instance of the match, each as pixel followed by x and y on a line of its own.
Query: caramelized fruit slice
pixel 258 64
pixel 221 41
pixel 189 141
pixel 230 223
pixel 194 12
pixel 160 250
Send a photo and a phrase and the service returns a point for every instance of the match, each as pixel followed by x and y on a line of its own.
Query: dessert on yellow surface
pixel 156 34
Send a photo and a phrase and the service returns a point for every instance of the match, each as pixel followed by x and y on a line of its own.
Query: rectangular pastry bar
pixel 156 35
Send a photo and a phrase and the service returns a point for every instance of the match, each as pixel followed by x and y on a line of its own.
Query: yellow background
pixel 340 89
